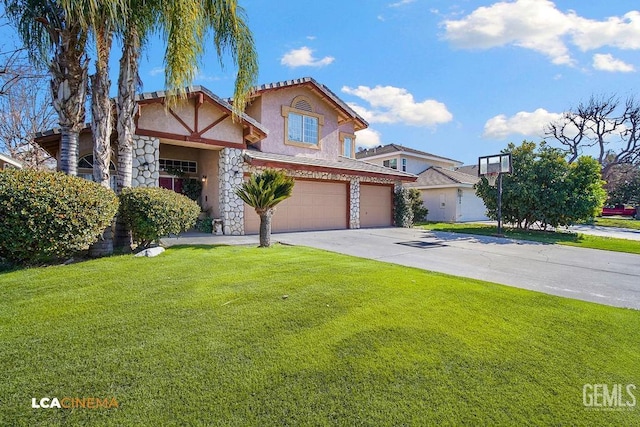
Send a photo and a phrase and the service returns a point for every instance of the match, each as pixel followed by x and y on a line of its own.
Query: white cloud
pixel 156 71
pixel 539 25
pixel 522 123
pixel 390 104
pixel 401 3
pixel 606 62
pixel 368 138
pixel 303 57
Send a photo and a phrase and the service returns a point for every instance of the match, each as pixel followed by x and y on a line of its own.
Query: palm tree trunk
pixel 126 106
pixel 265 226
pixel 101 127
pixel 68 151
pixel 69 79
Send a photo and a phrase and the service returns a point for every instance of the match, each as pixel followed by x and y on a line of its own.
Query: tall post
pixel 500 204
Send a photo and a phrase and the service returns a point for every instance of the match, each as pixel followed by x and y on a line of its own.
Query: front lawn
pixel 560 238
pixel 620 222
pixel 296 336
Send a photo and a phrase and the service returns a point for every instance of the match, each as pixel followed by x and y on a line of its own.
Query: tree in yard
pixel 45 29
pixel 417 205
pixel 184 49
pixel 25 109
pixel 263 192
pixel 545 189
pixel 604 124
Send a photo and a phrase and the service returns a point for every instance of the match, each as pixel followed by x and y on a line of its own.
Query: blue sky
pixel 455 78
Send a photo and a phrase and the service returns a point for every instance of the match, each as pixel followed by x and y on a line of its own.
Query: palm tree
pixel 184 48
pixel 263 192
pixel 45 29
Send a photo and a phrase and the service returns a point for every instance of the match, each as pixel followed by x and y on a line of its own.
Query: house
pixel 299 126
pixel 446 186
pixel 7 162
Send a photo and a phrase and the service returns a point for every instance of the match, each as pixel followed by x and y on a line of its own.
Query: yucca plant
pixel 263 192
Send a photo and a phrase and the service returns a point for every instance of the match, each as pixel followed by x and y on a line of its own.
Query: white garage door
pixel 375 205
pixel 314 205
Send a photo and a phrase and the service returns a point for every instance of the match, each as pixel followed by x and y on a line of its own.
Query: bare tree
pixel 605 126
pixel 25 109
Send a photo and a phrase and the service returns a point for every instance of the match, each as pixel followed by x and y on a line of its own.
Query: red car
pixel 618 210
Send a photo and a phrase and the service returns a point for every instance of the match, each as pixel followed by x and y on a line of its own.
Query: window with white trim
pixel 404 165
pixel 348 142
pixel 392 163
pixel 186 166
pixel 303 127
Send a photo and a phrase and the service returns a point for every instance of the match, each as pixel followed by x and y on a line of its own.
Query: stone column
pixel 354 203
pixel 146 153
pixel 231 170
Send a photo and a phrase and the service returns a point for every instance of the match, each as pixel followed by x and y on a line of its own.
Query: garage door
pixel 375 205
pixel 314 205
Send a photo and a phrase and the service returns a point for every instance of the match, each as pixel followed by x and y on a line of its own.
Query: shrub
pixel 48 216
pixel 417 205
pixel 402 212
pixel 153 213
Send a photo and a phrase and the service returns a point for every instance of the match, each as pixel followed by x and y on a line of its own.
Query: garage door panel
pixel 314 205
pixel 375 205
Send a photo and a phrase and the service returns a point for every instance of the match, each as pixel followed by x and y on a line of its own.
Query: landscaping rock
pixel 151 252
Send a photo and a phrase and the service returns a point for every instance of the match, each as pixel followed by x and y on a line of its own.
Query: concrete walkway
pixel 595 230
pixel 604 277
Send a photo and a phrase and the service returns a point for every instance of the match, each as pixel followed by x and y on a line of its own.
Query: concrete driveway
pixel 603 277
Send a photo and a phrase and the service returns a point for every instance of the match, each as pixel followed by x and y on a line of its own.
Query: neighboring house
pixel 446 185
pixel 7 162
pixel 299 126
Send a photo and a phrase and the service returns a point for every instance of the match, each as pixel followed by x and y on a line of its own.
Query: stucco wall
pixel 472 207
pixel 442 204
pixel 154 117
pixel 270 111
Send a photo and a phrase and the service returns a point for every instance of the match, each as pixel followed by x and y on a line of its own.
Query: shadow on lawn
pixel 489 235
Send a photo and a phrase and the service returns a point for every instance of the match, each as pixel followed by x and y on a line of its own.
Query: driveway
pixel 603 277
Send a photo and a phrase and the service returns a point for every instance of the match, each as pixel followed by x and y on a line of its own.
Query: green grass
pixel 632 224
pixel 559 238
pixel 205 336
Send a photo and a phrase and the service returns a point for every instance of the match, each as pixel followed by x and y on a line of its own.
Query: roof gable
pixel 345 112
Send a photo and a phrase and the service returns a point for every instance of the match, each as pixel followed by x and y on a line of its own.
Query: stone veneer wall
pixel 354 185
pixel 231 172
pixel 146 153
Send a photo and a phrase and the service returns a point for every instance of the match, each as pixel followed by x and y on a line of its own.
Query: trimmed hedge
pixel 153 213
pixel 50 215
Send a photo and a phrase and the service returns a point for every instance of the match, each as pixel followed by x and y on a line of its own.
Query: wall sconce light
pixel 204 178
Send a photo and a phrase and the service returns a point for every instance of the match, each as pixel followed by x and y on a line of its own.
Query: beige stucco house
pixel 299 126
pixel 446 186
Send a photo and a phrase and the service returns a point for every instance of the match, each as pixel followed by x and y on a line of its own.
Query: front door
pixel 171 183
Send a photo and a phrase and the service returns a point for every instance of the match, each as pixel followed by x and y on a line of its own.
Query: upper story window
pixel 404 165
pixel 302 125
pixel 348 142
pixel 392 163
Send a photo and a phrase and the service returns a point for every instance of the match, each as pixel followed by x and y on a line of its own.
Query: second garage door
pixel 375 205
pixel 314 205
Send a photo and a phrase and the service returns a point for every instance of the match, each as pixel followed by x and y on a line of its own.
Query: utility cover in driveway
pixel 314 205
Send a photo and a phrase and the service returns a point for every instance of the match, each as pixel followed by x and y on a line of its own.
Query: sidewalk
pixel 196 238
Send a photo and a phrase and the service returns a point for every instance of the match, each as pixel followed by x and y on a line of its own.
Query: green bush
pixel 153 213
pixel 48 216
pixel 402 212
pixel 417 205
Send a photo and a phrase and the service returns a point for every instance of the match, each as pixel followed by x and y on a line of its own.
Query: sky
pixel 456 78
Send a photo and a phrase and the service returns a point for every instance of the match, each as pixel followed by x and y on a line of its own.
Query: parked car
pixel 619 210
